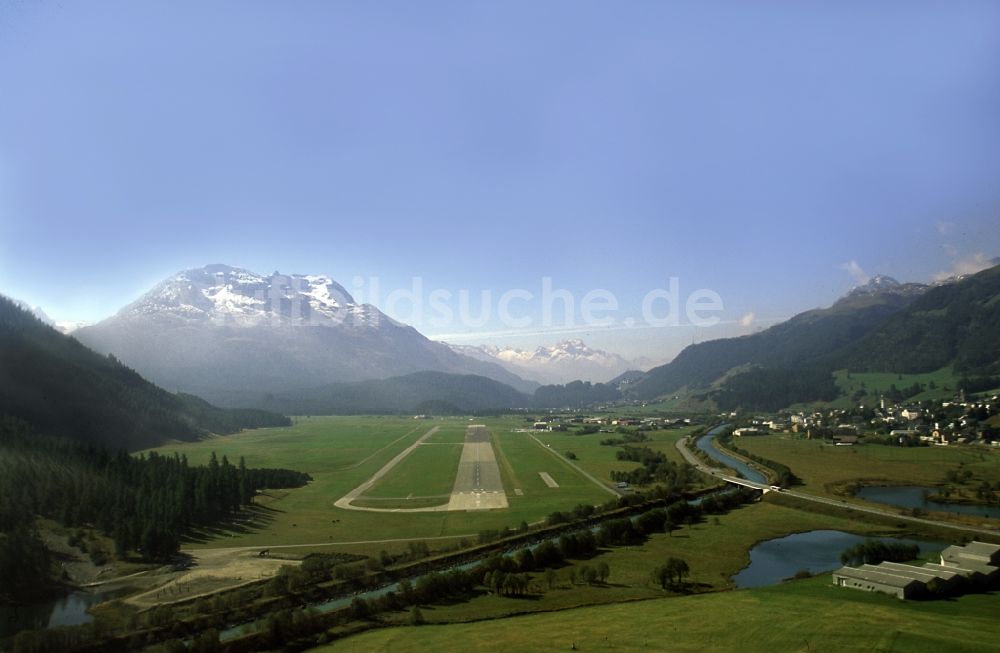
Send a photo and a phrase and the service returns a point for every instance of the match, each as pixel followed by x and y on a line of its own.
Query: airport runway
pixel 477 484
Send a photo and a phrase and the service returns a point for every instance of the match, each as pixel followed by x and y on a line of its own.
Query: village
pixel 930 422
pixel 939 423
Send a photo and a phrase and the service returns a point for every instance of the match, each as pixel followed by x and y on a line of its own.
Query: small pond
pixel 69 610
pixel 773 561
pixel 915 496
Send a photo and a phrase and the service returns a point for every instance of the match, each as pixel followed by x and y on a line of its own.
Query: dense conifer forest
pixel 63 388
pixel 146 503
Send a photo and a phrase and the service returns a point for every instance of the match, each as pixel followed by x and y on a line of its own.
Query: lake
pixel 69 610
pixel 773 561
pixel 913 496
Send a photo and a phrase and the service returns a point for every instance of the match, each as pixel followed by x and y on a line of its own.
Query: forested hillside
pixel 422 392
pixel 898 328
pixel 797 343
pixel 575 395
pixel 62 388
pixel 955 324
pixel 146 503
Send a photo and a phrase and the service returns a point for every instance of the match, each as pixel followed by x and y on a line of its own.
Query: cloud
pixel 748 319
pixel 945 228
pixel 860 276
pixel 966 265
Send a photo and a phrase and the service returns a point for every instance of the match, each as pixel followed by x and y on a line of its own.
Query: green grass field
pixel 449 434
pixel 808 615
pixel 943 380
pixel 715 549
pixel 874 383
pixel 521 462
pixel 428 471
pixel 827 470
pixel 599 460
pixel 342 452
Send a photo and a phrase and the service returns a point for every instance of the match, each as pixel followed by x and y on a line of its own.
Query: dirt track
pixel 214 570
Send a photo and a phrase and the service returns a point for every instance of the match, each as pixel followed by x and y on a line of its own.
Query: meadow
pixel 867 387
pixel 427 472
pixel 805 615
pixel 340 453
pixel 715 549
pixel 600 460
pixel 828 470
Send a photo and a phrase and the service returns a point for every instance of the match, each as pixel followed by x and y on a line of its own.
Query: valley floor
pixel 807 615
pixel 560 611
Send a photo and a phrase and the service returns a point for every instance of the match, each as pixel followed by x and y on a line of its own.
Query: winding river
pixel 706 443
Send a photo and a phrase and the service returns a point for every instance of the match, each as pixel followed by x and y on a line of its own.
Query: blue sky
pixel 754 149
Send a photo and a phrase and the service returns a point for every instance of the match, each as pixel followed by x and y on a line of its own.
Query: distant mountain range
pixel 301 344
pixel 60 387
pixel 562 362
pixel 236 337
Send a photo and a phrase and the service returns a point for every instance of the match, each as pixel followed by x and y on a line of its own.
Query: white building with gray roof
pixel 976 563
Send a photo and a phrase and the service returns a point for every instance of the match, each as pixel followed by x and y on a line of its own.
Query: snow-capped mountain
pixel 881 283
pixel 228 296
pixel 562 362
pixel 234 337
pixel 69 326
pixel 63 326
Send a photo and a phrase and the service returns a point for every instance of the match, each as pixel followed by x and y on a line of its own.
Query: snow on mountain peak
pixel 876 284
pixel 562 362
pixel 229 295
pixel 881 283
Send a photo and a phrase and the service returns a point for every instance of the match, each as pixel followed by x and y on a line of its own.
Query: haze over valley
pixel 499 326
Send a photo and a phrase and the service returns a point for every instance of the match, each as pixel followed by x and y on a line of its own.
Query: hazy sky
pixel 754 149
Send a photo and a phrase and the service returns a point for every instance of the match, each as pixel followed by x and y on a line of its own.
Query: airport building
pixel 973 566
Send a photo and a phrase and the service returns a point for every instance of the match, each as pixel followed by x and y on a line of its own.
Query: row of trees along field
pixel 655 469
pixel 146 503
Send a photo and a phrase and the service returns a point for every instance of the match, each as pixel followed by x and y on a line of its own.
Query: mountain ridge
pixel 562 362
pixel 802 339
pixel 230 336
pixel 62 388
pixel 883 326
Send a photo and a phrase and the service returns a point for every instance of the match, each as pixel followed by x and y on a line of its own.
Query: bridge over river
pixel 757 481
